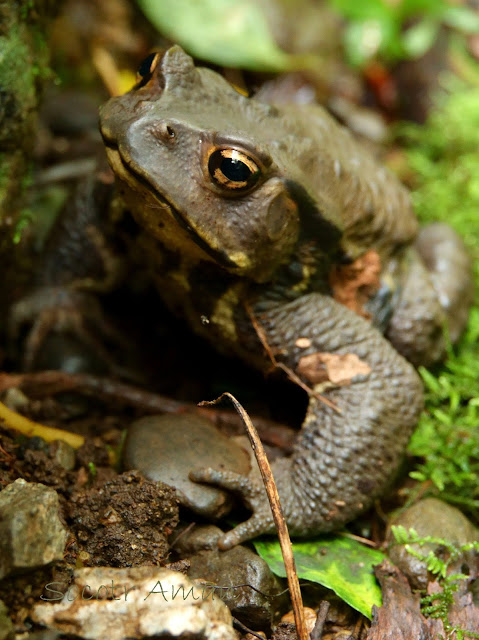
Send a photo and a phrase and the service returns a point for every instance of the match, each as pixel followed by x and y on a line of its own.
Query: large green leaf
pixel 339 563
pixel 232 33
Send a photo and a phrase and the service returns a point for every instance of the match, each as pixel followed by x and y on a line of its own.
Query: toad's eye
pixel 146 68
pixel 233 170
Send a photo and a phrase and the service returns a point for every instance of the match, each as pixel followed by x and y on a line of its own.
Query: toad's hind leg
pixel 348 452
pixel 449 264
pixel 437 293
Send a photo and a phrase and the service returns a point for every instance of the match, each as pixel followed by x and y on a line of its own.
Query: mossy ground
pixel 444 158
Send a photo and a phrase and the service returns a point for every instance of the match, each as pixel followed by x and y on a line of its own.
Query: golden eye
pixel 233 170
pixel 146 69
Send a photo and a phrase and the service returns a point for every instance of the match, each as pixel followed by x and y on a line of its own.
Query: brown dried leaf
pixel 309 618
pixel 400 617
pixel 337 368
pixel 354 284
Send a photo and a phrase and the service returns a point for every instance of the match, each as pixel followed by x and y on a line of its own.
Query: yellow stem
pixel 29 428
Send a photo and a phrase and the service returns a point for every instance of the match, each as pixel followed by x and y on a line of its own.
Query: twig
pixel 71 170
pixel 357 628
pixel 106 68
pixel 182 533
pixel 242 627
pixel 297 380
pixel 278 517
pixel 48 383
pixel 29 428
pixel 352 536
pixel 53 382
pixel 317 632
pixel 260 332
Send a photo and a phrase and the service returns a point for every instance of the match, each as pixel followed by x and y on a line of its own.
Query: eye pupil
pixel 146 69
pixel 235 170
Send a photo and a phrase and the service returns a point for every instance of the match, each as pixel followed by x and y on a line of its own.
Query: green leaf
pixel 420 37
pixel 400 533
pixel 232 33
pixel 338 563
pixel 362 41
pixel 462 18
pixel 411 8
pixel 364 10
pixel 429 380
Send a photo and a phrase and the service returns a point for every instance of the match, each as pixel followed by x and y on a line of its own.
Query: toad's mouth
pixel 220 257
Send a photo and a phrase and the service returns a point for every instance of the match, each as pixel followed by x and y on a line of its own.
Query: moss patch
pixel 444 157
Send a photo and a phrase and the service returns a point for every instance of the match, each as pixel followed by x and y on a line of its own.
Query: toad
pixel 277 237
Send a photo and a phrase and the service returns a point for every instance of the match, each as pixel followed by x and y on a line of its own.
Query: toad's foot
pixel 253 495
pixel 53 311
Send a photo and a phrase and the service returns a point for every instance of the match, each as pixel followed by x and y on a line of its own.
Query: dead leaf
pixel 309 618
pixel 354 284
pixel 337 368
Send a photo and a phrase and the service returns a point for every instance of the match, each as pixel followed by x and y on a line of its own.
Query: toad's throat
pixel 220 257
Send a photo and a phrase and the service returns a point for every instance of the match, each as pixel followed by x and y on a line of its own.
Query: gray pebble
pixel 168 447
pixel 434 518
pixel 242 580
pixel 31 533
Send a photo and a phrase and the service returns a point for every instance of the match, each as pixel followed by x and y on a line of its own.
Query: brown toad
pixel 256 218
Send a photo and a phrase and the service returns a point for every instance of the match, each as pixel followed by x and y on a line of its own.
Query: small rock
pixel 15 399
pixel 429 517
pixel 168 447
pixel 31 533
pixel 63 454
pixel 139 602
pixel 6 625
pixel 254 604
pixel 201 537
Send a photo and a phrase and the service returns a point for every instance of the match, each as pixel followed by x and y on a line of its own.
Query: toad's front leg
pixel 344 457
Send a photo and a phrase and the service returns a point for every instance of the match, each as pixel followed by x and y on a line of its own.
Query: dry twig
pixel 280 522
pixel 48 383
pixel 260 332
pixel 317 632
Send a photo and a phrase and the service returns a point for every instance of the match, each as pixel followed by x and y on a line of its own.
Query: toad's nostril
pixel 164 132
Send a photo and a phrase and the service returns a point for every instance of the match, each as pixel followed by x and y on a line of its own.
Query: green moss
pixel 23 73
pixel 444 157
pixel 440 563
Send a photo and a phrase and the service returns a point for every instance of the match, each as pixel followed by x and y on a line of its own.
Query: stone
pixel 31 533
pixel 429 517
pixel 200 537
pixel 63 454
pixel 168 447
pixel 229 572
pixel 138 602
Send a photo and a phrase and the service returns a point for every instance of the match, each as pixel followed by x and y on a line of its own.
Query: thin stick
pixel 242 627
pixel 273 497
pixel 261 333
pixel 29 428
pixel 48 383
pixel 317 632
pixel 297 380
pixel 352 536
